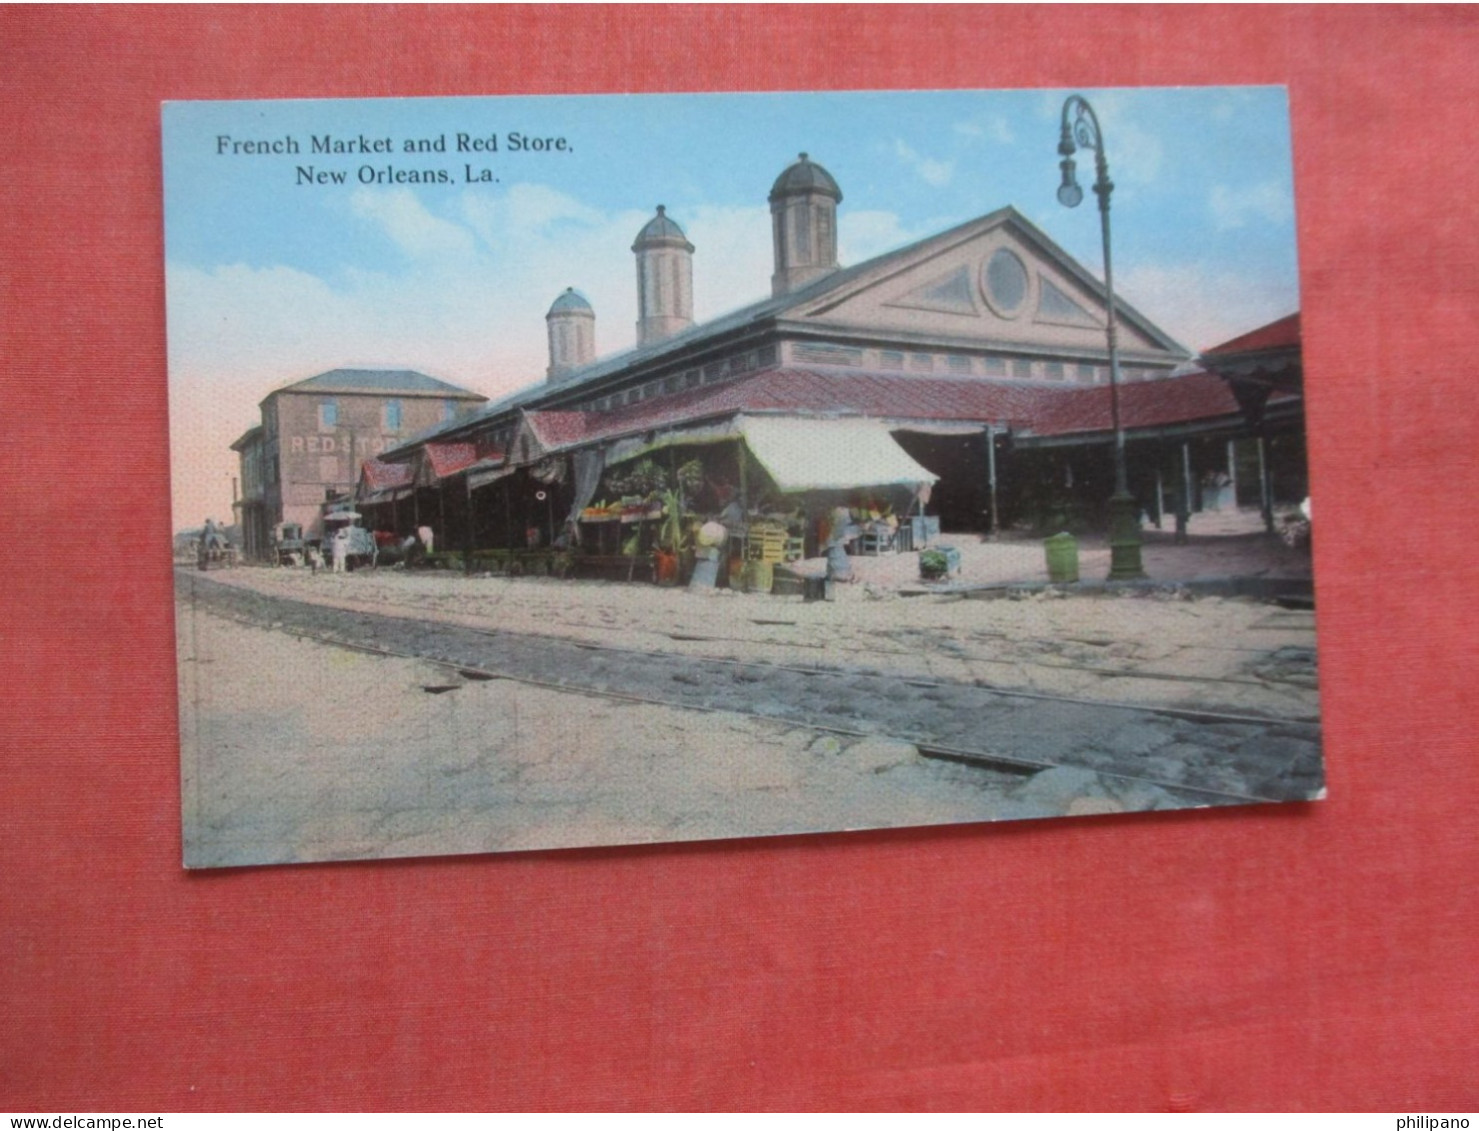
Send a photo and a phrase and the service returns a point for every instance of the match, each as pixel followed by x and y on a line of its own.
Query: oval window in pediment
pixel 1004 282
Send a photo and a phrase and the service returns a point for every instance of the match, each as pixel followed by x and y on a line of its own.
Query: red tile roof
pixel 1282 334
pixel 1031 410
pixel 554 430
pixel 381 476
pixel 1040 410
pixel 1143 404
pixel 449 459
pixel 892 396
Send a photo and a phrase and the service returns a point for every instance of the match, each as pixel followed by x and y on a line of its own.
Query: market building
pixel 960 382
pixel 314 435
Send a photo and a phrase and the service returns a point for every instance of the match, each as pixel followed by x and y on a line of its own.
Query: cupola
pixel 803 214
pixel 572 333
pixel 664 279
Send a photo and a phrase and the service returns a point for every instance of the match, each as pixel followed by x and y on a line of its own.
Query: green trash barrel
pixel 1062 554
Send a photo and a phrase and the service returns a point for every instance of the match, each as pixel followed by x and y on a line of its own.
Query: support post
pixel 1186 477
pixel 467 535
pixel 1232 470
pixel 741 454
pixel 1265 488
pixel 1183 502
pixel 508 514
pixel 992 528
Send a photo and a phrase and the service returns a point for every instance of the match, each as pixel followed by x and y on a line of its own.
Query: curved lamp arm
pixel 1081 130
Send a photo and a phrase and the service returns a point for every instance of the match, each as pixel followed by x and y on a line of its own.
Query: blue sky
pixel 270 280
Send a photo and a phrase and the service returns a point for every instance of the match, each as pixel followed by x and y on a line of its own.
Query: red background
pixel 1318 956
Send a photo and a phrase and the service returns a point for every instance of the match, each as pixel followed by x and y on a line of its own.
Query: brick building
pixel 315 434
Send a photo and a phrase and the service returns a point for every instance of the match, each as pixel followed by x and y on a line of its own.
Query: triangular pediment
pixel 997 280
pixel 950 293
pixel 1057 308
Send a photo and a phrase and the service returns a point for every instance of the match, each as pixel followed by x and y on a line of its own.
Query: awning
pixel 390 495
pixel 442 460
pixel 804 454
pixel 479 475
pixel 381 482
pixel 633 446
pixel 940 427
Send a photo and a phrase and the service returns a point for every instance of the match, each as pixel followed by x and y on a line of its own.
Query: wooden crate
pixel 767 544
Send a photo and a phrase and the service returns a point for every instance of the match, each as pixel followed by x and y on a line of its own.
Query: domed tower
pixel 803 213
pixel 572 333
pixel 664 279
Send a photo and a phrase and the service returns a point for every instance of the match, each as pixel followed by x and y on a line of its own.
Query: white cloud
pixel 864 234
pixel 525 212
pixel 1232 208
pixel 541 208
pixel 733 258
pixel 931 171
pixel 406 221
pixel 1135 155
pixel 993 128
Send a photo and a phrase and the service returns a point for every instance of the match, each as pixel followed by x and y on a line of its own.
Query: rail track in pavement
pixel 1197 757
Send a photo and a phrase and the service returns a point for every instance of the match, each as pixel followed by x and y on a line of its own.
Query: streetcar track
pixel 1207 756
pixel 408 612
pixel 1190 714
pixel 1197 715
pixel 966 658
pixel 927 749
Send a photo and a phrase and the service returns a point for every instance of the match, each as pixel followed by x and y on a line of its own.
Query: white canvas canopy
pixel 804 454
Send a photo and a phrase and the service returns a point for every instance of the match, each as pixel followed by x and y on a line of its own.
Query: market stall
pixel 777 486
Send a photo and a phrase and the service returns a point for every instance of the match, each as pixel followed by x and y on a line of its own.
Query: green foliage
pixel 691 478
pixel 933 563
pixel 672 535
pixel 641 479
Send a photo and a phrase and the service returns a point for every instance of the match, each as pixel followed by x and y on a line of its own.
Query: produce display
pixel 676 516
pixel 629 509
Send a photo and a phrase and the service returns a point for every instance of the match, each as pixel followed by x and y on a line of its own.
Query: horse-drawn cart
pixel 342 524
pixel 214 551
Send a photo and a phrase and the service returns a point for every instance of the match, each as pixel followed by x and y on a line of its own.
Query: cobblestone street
pixel 388 713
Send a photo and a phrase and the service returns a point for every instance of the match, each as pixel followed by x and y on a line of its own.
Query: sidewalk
pixel 1219 545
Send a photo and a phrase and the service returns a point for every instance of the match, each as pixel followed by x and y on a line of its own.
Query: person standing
pixel 340 548
pixel 427 538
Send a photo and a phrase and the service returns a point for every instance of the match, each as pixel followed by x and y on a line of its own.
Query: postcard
pixel 555 472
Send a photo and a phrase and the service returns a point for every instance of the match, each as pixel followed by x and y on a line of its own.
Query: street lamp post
pixel 1081 129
